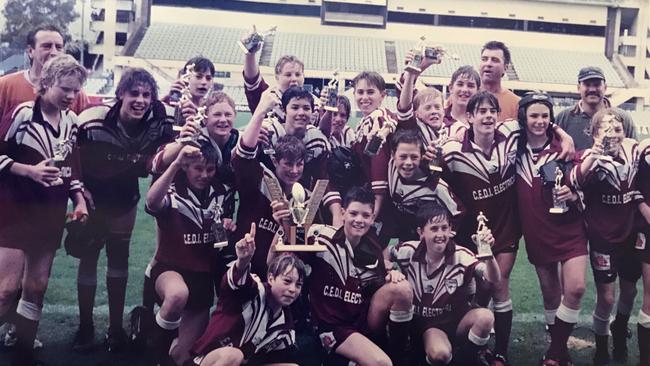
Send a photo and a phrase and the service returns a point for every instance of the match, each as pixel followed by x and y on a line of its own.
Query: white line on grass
pixel 103 310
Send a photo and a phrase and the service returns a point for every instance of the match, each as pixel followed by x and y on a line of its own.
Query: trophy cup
pixel 379 138
pixel 176 96
pixel 332 94
pixel 252 40
pixel 302 214
pixel 437 52
pixel 198 119
pixel 559 207
pixel 267 147
pixel 484 250
pixel 213 216
pixel 434 165
pixel 418 54
pixel 607 139
pixel 60 152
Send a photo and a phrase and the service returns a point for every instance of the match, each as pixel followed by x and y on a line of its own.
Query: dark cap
pixel 590 72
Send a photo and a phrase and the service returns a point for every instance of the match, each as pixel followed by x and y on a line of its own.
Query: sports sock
pixel 502 326
pixel 116 288
pixel 86 299
pixel 27 317
pixel 164 333
pixel 148 290
pixel 643 332
pixel 399 325
pixel 565 319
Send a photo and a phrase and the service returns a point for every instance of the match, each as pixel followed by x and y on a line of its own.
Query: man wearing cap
pixel 592 88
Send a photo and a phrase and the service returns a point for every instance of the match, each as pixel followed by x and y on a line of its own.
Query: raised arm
pixel 252 132
pixel 158 190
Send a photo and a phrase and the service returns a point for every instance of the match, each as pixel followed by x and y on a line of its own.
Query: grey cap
pixel 590 72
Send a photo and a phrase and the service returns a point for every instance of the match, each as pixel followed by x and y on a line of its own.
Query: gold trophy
pixel 269 120
pixel 198 118
pixel 332 94
pixel 559 207
pixel 302 214
pixel 252 40
pixel 377 140
pixel 60 152
pixel 434 165
pixel 607 139
pixel 214 215
pixel 418 54
pixel 177 96
pixel 484 250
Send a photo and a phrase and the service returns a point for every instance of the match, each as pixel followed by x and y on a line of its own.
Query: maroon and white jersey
pixel 345 139
pixel 245 320
pixel 254 204
pixel 32 216
pixel 343 280
pixel 609 193
pixel 253 89
pixel 186 225
pixel 485 183
pixel 549 237
pixel 408 120
pixel 408 196
pixel 375 167
pixel 440 295
pixel 643 179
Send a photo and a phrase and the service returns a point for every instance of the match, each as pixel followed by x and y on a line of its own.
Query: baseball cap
pixel 590 72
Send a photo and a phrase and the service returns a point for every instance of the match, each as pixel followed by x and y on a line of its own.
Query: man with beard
pixel 592 88
pixel 495 57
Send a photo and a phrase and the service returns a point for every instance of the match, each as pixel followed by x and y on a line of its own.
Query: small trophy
pixel 214 213
pixel 559 207
pixel 379 138
pixel 484 250
pixel 302 214
pixel 269 120
pixel 252 40
pixel 434 165
pixel 418 53
pixel 332 94
pixel 606 141
pixel 437 52
pixel 176 96
pixel 60 152
pixel 198 118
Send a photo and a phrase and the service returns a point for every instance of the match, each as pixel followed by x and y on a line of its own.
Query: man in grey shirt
pixel 592 88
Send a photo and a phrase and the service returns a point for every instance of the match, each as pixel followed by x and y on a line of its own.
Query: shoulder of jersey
pixel 644 145
pixel 95 113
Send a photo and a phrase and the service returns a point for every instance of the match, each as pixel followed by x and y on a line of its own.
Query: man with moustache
pixel 495 57
pixel 592 88
pixel 43 43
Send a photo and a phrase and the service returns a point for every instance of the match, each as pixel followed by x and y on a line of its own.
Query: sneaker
pixel 10 338
pixel 499 360
pixel 84 339
pixel 115 340
pixel 620 335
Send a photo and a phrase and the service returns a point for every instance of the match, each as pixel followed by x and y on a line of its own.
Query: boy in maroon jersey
pixel 253 323
pixel 34 190
pixel 610 197
pixel 440 273
pixel 550 238
pixel 643 182
pixel 187 204
pixel 353 296
pixel 481 169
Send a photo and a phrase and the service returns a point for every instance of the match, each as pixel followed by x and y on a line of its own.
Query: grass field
pixel 59 321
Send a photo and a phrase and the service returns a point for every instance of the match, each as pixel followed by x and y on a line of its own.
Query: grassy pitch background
pixel 60 317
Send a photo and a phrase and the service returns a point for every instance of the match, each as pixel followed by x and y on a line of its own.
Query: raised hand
pixel 245 247
pixel 281 211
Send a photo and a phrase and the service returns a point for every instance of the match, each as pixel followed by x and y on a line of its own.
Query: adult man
pixel 43 43
pixel 495 57
pixel 592 88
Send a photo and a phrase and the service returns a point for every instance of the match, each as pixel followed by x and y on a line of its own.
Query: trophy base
pixel 300 248
pixel 484 256
pixel 243 47
pixel 331 108
pixel 435 168
pixel 558 210
pixel 412 69
pixel 219 245
pixel 188 141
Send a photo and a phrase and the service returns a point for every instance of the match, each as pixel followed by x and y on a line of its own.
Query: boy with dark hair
pixel 443 316
pixel 352 294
